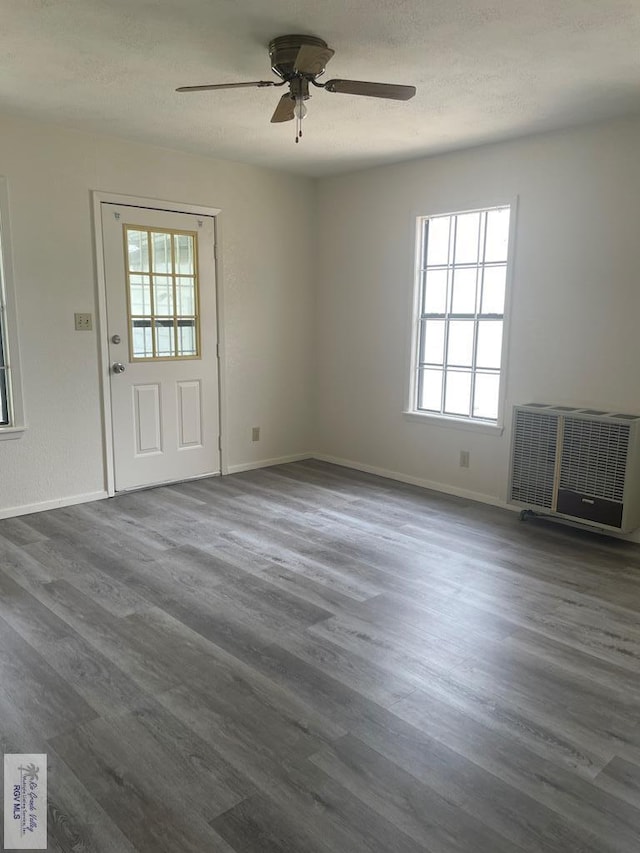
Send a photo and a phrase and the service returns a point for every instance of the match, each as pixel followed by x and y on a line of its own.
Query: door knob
pixel 118 367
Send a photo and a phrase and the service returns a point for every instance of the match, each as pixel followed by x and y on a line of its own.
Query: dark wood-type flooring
pixel 306 658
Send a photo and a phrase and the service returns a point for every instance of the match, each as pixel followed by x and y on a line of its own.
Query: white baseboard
pixel 27 509
pixel 463 493
pixel 417 481
pixel 267 463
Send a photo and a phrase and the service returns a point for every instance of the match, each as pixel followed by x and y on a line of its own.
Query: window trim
pixel 410 411
pixel 16 426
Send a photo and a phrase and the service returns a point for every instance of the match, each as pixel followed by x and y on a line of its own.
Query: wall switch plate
pixel 255 434
pixel 84 322
pixel 464 458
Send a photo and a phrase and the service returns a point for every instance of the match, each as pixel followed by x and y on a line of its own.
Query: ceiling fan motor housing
pixel 283 52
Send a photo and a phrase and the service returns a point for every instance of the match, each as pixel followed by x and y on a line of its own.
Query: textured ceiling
pixel 485 70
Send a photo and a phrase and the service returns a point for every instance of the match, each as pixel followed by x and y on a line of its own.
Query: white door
pixel 161 318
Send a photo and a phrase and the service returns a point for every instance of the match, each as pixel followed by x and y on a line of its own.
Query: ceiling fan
pixel 299 61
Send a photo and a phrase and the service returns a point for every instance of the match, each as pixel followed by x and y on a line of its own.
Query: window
pixel 461 279
pixel 11 415
pixel 162 285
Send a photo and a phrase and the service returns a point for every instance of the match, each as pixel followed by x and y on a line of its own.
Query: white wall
pixel 267 286
pixel 576 298
pixel 575 330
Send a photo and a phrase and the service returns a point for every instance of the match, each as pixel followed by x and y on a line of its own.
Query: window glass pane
pixel 4 394
pixel 183 247
pixel 497 239
pixel 485 398
pixel 460 344
pixel 438 240
pixel 141 338
pixel 138 249
pixel 162 294
pixel 432 342
pixel 186 293
pixel 165 338
pixel 140 294
pixel 4 405
pixel 493 290
pixel 430 390
pixel 489 343
pixel 161 252
pixel 467 238
pixel 464 291
pixel 458 393
pixel 187 337
pixel 435 295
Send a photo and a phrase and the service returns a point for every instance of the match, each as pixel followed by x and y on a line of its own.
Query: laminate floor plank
pixel 34 703
pixel 510 766
pixel 622 779
pixel 416 809
pixel 256 826
pixel 311 658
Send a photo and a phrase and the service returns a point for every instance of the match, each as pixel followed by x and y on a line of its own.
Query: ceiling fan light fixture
pixel 299 60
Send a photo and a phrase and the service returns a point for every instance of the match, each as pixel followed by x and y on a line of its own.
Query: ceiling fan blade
pixel 284 109
pixel 373 90
pixel 311 59
pixel 259 83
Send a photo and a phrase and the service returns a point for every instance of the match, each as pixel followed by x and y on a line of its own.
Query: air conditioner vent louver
pixel 534 458
pixel 594 458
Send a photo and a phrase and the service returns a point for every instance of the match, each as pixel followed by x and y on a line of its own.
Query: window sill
pixel 8 433
pixel 454 423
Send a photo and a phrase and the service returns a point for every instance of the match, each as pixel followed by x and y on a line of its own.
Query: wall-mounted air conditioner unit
pixel 579 464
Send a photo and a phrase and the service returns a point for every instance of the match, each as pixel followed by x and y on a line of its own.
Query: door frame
pixel 98 198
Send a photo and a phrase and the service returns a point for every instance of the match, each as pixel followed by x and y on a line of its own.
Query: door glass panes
pixel 141 338
pixel 138 250
pixel 162 261
pixel 186 295
pixel 163 295
pixel 165 338
pixel 186 337
pixel 162 286
pixel 183 246
pixel 140 294
pixel 461 278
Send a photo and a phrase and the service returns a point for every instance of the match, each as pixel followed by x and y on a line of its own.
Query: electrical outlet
pixel 83 322
pixel 464 458
pixel 255 434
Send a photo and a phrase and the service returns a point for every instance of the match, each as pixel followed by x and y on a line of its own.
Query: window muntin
pixel 162 293
pixel 461 281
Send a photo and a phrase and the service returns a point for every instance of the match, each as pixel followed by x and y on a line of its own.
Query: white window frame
pixel 9 320
pixel 411 411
